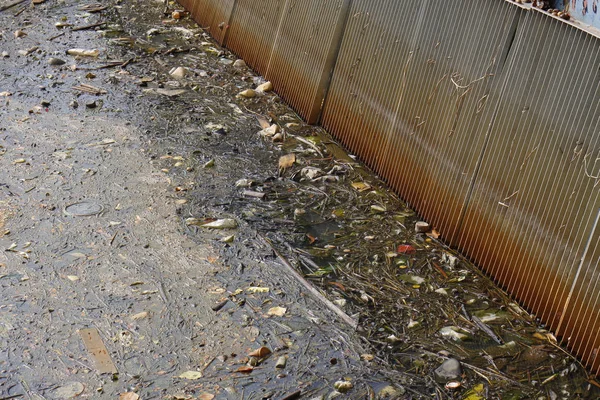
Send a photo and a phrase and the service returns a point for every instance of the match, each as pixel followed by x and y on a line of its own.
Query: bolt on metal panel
pixel 535 199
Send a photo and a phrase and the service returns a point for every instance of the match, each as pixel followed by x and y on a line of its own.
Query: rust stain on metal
pixel 471 117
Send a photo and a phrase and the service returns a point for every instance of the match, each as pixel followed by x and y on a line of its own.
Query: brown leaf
pixel 434 234
pixel 246 369
pixel 260 353
pixel 287 161
pixel 206 396
pixel 129 396
pixel 277 311
pixel 338 285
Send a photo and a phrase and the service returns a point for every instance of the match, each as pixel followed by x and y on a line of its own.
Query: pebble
pixel 55 61
pixel 449 370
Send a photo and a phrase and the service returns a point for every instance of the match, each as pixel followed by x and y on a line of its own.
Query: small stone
pixel 449 370
pixel 55 61
pixel 45 103
pixel 422 227
pixel 19 33
pixel 239 63
pixel 5 54
pixel 91 104
pixel 74 104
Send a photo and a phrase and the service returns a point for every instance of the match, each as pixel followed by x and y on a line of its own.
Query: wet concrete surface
pixel 180 307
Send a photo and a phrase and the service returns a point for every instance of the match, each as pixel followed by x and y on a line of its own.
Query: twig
pixel 20 11
pixel 480 371
pixel 56 36
pixel 11 5
pixel 84 27
pixel 293 395
pixel 345 317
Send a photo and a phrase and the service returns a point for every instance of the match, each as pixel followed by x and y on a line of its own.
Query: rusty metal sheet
pixel 304 53
pixel 410 98
pixel 485 122
pixel 212 15
pixel 253 29
pixel 534 202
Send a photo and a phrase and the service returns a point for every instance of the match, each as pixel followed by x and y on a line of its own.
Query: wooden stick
pixel 345 317
pixel 81 28
pixel 56 36
pixel 10 5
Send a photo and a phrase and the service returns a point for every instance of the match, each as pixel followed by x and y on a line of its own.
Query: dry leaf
pixel 256 289
pixel 361 186
pixel 261 352
pixel 129 396
pixel 72 278
pixel 246 369
pixel 206 396
pixel 287 161
pixel 191 375
pixel 277 311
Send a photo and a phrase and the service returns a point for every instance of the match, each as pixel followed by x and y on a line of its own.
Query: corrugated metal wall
pixel 533 209
pixel 483 115
pixel 212 15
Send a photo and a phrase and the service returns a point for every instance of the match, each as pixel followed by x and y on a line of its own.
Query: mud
pixel 95 192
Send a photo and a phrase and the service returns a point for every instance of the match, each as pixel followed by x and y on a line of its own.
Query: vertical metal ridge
pixel 486 123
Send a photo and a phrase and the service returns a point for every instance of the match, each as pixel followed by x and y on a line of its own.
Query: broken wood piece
pixel 94 345
pixel 89 89
pixel 251 193
pixel 312 290
pixel 56 36
pixel 93 8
